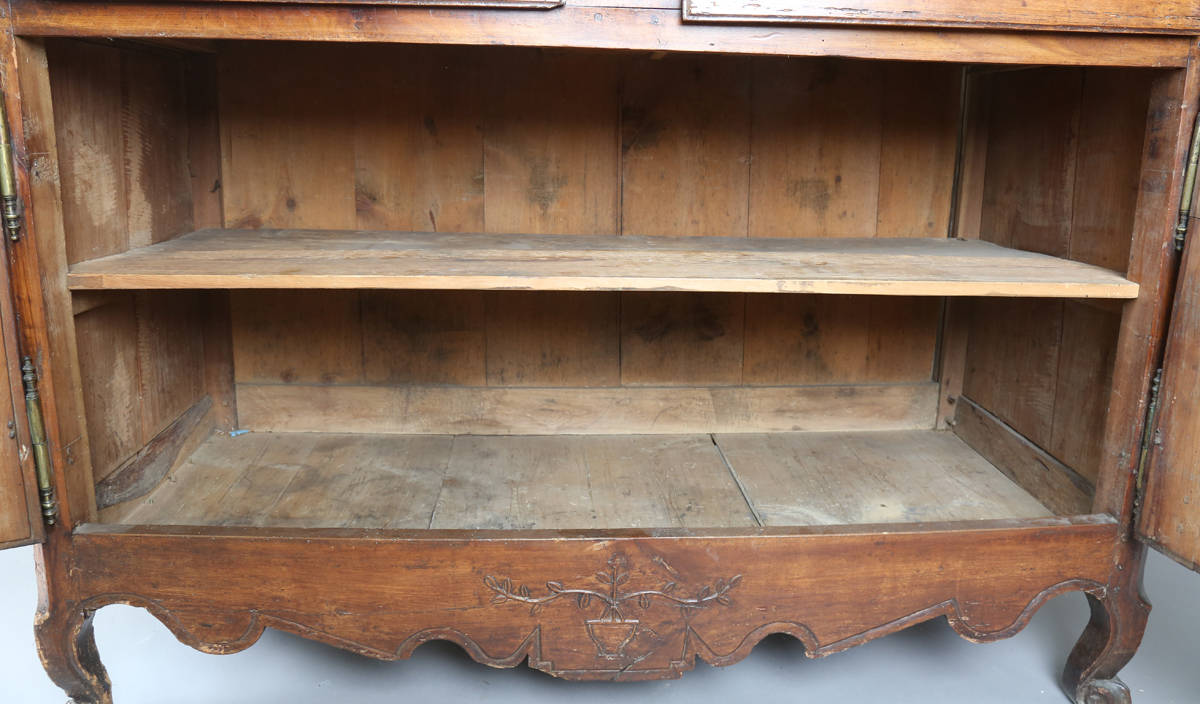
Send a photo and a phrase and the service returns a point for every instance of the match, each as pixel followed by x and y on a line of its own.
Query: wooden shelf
pixel 350 259
pixel 326 480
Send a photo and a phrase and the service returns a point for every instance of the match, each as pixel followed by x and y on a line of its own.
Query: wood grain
pixel 577 26
pixel 309 480
pixel 685 143
pixel 274 340
pixel 542 338
pixel 817 129
pixel 351 259
pixel 1054 484
pixel 275 132
pixel 160 456
pixel 921 104
pixel 856 478
pixel 620 481
pixel 681 339
pixel 424 337
pixel 170 356
pixel 418 105
pixel 622 411
pixel 106 340
pixel 1105 15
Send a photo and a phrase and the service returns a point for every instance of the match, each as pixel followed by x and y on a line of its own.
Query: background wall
pixel 927 663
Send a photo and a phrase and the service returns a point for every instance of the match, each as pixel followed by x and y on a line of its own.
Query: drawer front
pixel 1169 16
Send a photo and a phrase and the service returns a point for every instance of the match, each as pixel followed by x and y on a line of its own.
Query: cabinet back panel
pixel 515 140
pixel 1062 177
pixel 121 121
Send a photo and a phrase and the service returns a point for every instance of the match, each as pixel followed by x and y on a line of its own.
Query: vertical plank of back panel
pixel 552 338
pixel 287 155
pixel 681 339
pixel 806 339
pixel 685 147
pixel 171 356
pixel 301 337
pixel 917 148
pixel 816 147
pixel 418 150
pixel 424 337
pixel 550 166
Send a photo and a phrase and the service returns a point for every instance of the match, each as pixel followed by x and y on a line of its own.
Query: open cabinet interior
pixel 246 359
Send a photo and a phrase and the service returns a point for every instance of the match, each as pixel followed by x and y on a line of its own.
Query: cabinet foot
pixel 67 647
pixel 1111 638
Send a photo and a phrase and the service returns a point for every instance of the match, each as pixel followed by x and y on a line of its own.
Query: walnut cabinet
pixel 601 336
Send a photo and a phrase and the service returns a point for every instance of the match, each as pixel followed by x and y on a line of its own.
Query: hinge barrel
pixel 10 201
pixel 1148 432
pixel 37 437
pixel 1189 186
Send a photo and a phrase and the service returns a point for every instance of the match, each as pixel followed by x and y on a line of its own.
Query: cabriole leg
pixel 67 648
pixel 1111 638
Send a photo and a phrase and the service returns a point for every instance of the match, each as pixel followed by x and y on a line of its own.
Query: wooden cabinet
pixel 599 337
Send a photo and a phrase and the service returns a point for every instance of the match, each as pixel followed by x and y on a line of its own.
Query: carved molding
pixel 230 632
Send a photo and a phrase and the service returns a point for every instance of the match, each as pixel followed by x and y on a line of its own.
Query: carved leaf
pixel 644 601
pixel 535 609
pixel 499 599
pixel 735 580
pixel 490 581
pixel 668 588
pixel 604 578
pixel 524 591
pixel 720 585
pixel 584 600
pixel 622 578
pixel 703 593
pixel 507 585
pixel 724 600
pixel 555 587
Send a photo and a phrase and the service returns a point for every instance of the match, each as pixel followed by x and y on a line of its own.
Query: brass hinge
pixel 10 198
pixel 37 437
pixel 1149 431
pixel 1189 185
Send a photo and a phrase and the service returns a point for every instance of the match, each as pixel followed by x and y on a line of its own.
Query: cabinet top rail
pixel 639 25
pixel 361 259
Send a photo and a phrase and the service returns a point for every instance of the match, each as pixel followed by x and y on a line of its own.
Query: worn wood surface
pixel 1060 488
pixel 1104 15
pixel 353 259
pixel 578 25
pixel 475 482
pixel 145 470
pixel 987 579
pixel 1077 201
pixel 538 411
pixel 882 477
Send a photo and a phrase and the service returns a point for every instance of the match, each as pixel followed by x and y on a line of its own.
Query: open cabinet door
pixel 20 510
pixel 1169 517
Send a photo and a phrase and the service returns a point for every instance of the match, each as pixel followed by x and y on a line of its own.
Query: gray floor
pixel 927 663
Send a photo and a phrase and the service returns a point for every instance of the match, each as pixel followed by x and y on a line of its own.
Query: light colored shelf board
pixel 357 259
pixel 328 480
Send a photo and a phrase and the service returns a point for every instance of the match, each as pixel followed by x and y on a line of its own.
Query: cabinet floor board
pixel 328 480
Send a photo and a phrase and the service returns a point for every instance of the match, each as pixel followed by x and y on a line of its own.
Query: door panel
pixel 20 514
pixel 1110 15
pixel 1169 517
